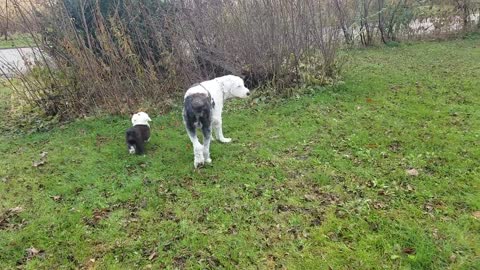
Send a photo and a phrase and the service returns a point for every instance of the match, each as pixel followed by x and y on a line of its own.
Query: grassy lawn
pixel 16 41
pixel 310 183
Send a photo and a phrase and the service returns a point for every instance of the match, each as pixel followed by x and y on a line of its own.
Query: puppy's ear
pixel 148 118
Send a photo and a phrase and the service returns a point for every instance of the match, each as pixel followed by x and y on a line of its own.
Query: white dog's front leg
pixel 217 126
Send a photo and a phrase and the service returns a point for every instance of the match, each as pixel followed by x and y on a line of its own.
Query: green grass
pixel 309 183
pixel 16 41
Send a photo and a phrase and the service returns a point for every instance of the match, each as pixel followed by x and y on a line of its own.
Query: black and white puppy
pixel 203 105
pixel 138 134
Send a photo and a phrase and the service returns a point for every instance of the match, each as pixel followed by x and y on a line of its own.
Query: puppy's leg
pixel 217 126
pixel 131 148
pixel 140 147
pixel 197 146
pixel 130 141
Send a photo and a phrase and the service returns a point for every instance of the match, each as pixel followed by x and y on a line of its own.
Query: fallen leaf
pixel 152 256
pixel 16 210
pixel 38 163
pixel 412 172
pixel 476 215
pixel 394 257
pixel 98 215
pixel 409 250
pixel 429 207
pixel 378 205
pixel 42 161
pixel 309 198
pixel 43 154
pixel 11 219
pixel 369 100
pixel 33 252
pixel 56 198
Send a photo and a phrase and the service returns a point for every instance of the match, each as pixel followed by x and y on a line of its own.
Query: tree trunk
pixel 6 23
pixel 342 20
pixel 381 19
pixel 466 15
pixel 368 37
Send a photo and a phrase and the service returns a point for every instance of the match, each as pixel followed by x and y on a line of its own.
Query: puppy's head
pixel 234 86
pixel 140 118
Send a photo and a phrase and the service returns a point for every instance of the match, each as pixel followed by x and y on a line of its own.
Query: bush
pixel 118 56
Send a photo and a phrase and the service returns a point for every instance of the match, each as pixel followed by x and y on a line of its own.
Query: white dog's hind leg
pixel 199 159
pixel 217 126
pixel 197 149
pixel 207 135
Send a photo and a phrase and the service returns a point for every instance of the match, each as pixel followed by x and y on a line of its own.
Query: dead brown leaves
pixel 409 250
pixel 56 198
pixel 41 161
pixel 412 172
pixel 30 254
pixel 33 253
pixel 98 215
pixel 10 219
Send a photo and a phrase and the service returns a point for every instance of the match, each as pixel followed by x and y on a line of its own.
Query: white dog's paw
pixel 226 140
pixel 198 162
pixel 131 150
pixel 208 161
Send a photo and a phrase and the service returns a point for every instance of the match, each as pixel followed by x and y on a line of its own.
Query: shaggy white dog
pixel 203 105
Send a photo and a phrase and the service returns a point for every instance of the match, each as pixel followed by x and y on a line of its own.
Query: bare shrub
pixel 11 21
pixel 110 57
pixel 119 56
pixel 263 40
pixel 370 21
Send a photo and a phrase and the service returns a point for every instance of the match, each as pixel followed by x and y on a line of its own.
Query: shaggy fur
pixel 203 105
pixel 138 134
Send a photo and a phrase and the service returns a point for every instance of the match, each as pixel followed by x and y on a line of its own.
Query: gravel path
pixel 16 60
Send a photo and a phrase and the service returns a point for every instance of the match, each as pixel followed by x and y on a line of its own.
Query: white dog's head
pixel 140 118
pixel 234 87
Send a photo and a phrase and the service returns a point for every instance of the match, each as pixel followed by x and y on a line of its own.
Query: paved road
pixel 16 60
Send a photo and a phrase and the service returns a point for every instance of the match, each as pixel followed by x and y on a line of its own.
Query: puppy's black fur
pixel 136 137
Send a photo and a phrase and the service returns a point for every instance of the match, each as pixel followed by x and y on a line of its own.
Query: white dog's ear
pixel 223 86
pixel 148 118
